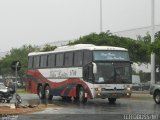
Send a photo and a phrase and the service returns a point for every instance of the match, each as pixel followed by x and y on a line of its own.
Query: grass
pixel 22 91
pixel 141 97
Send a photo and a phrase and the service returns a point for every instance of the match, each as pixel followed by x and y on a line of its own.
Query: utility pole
pixel 152 40
pixel 101 24
pixel 16 65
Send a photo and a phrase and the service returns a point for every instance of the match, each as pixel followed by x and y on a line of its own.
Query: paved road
pixel 127 108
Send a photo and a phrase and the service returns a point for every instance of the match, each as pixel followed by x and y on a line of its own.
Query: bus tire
pixel 66 98
pixel 157 97
pixel 48 94
pixel 8 101
pixel 112 100
pixel 81 95
pixel 40 92
pixel 69 98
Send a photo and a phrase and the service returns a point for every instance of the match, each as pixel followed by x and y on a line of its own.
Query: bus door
pixel 88 76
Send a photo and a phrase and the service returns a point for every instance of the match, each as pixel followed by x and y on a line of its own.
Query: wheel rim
pixel 47 92
pixel 157 98
pixel 80 95
pixel 40 92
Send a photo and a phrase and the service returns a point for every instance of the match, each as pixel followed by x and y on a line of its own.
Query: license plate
pixel 114 94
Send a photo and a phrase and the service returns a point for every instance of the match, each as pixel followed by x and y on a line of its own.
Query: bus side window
pixel 36 60
pixel 59 59
pixel 78 58
pixel 43 61
pixel 30 62
pixel 68 59
pixel 51 60
pixel 87 57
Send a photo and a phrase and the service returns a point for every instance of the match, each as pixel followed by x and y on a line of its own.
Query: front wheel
pixel 8 101
pixel 81 95
pixel 48 94
pixel 40 92
pixel 112 100
pixel 157 97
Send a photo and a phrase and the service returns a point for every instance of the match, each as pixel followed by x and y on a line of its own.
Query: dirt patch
pixel 22 109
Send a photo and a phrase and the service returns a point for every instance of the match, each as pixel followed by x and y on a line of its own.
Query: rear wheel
pixel 81 95
pixel 157 97
pixel 40 92
pixel 112 100
pixel 66 98
pixel 8 101
pixel 48 94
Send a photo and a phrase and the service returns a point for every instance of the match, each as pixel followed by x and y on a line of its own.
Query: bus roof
pixel 79 47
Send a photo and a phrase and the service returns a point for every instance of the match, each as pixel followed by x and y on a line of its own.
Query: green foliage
pixel 16 54
pixel 20 54
pixel 138 49
pixel 155 47
pixel 48 47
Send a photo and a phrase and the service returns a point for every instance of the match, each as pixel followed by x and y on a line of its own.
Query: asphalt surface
pixel 140 107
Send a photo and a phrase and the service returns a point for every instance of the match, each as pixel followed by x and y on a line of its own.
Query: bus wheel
pixel 69 98
pixel 66 98
pixel 48 94
pixel 40 92
pixel 8 101
pixel 81 95
pixel 75 99
pixel 157 97
pixel 112 100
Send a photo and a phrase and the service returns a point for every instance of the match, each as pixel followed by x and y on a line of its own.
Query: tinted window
pixel 51 60
pixel 43 61
pixel 111 55
pixel 113 73
pixel 59 59
pixel 36 60
pixel 68 59
pixel 30 62
pixel 78 57
pixel 87 57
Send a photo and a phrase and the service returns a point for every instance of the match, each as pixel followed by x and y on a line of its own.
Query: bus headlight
pixel 98 89
pixel 128 89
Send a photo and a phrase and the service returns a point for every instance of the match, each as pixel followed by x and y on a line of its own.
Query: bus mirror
pixel 94 68
pixel 131 62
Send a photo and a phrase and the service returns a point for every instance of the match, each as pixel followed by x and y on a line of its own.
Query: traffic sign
pixel 16 64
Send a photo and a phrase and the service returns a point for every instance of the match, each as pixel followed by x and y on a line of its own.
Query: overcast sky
pixel 37 22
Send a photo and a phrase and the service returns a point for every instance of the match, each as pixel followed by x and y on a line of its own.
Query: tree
pixel 19 54
pixel 138 49
pixel 48 47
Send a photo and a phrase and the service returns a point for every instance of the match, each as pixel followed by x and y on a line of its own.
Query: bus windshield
pixel 113 73
pixel 110 55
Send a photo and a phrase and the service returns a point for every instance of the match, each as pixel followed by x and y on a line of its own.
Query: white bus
pixel 80 71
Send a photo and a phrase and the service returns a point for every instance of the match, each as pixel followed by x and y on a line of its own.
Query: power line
pixel 135 29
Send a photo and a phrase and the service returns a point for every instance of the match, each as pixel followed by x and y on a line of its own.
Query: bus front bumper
pixel 112 94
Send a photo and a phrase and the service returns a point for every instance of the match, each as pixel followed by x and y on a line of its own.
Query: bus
pixel 82 71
